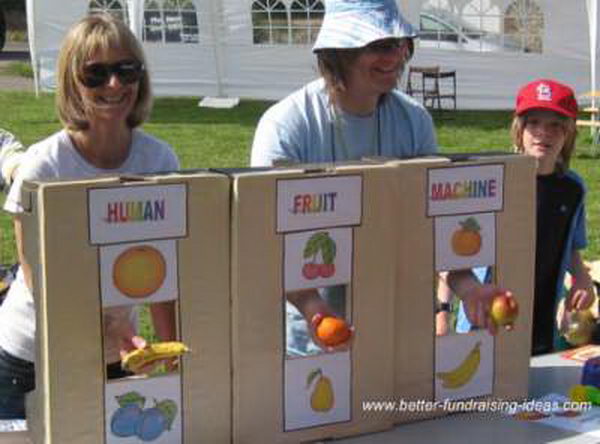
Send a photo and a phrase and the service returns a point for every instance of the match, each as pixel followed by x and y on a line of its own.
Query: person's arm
pixel 163 319
pixel 476 297
pixel 309 303
pixel 444 297
pixel 24 264
pixel 274 142
pixel 11 154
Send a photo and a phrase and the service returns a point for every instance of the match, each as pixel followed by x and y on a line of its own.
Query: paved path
pixel 13 52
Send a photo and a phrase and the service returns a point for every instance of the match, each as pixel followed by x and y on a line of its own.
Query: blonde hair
pixel 569 127
pixel 93 34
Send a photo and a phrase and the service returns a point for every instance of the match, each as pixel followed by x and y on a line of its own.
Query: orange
pixel 333 331
pixel 139 271
pixel 466 242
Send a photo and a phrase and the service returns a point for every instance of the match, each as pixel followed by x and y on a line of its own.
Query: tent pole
pixel 215 12
pixel 30 12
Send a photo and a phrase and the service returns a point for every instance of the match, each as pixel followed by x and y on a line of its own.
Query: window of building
pixel 524 23
pixel 170 21
pixel 481 26
pixel 306 17
pixel 113 7
pixel 153 22
pixel 269 22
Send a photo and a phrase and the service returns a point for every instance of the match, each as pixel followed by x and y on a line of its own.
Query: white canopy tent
pixel 261 48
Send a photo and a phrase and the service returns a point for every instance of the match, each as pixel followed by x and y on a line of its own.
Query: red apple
pixel 327 270
pixel 504 310
pixel 311 270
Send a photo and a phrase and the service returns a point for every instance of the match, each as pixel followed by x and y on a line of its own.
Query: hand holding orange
pixel 330 330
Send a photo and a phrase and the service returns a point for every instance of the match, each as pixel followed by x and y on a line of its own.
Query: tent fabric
pixel 209 49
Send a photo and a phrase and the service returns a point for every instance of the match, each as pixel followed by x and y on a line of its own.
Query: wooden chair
pixel 415 85
pixel 434 86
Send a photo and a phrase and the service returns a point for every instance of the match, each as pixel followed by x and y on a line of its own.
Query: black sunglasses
pixel 98 74
pixel 381 46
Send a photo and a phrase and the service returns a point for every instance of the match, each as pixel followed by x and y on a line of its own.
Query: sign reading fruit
pixel 465 241
pixel 139 411
pixel 308 204
pixel 131 213
pixel 138 272
pixel 464 365
pixel 317 390
pixel 469 189
pixel 318 258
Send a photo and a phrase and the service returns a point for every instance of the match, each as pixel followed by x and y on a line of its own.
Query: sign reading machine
pixel 307 204
pixel 133 213
pixel 469 189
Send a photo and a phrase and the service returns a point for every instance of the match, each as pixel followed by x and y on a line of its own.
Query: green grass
pixel 221 138
pixel 20 69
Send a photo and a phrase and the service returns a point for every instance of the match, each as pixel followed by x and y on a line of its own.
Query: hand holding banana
pixel 139 359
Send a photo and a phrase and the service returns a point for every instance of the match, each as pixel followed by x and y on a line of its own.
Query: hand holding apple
pixel 504 310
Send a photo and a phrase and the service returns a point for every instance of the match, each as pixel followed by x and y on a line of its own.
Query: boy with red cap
pixel 544 127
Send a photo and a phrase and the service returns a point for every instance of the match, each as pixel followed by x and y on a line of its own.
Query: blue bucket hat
pixel 356 23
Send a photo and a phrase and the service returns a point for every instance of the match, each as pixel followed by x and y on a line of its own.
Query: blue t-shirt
pixel 305 128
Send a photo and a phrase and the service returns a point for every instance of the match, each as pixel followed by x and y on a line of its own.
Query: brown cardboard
pixel 515 261
pixel 231 300
pixel 68 403
pixel 258 326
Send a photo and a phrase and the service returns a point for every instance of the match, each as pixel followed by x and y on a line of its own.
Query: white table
pixel 547 374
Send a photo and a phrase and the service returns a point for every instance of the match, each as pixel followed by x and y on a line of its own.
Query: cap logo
pixel 544 92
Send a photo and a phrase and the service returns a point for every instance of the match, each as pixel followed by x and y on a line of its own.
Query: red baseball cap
pixel 547 94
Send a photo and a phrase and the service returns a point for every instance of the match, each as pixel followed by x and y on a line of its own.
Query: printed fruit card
pixel 465 241
pixel 318 258
pixel 142 410
pixel 464 365
pixel 317 390
pixel 139 272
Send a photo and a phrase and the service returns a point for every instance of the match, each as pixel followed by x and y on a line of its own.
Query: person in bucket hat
pixel 354 111
pixel 544 127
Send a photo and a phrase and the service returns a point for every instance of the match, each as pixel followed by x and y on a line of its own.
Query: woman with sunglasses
pixel 103 95
pixel 353 111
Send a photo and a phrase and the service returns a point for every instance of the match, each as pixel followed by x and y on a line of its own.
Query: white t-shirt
pixel 52 159
pixel 305 128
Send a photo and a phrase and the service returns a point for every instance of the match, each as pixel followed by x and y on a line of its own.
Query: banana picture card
pixel 107 254
pixel 464 366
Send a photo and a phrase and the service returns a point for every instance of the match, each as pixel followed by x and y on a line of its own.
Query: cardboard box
pixel 498 192
pixel 278 216
pixel 237 246
pixel 78 235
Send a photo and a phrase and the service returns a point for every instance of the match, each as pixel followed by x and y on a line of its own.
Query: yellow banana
pixel 462 374
pixel 137 359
